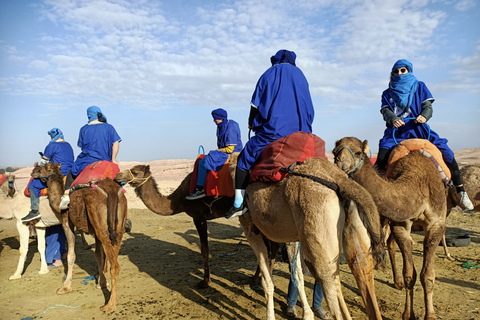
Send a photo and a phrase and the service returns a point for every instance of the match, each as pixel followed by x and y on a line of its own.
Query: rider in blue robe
pixel 57 151
pixel 98 141
pixel 229 140
pixel 281 104
pixel 405 98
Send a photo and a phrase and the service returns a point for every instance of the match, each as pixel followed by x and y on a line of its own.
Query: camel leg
pixel 403 239
pixel 258 246
pixel 294 258
pixel 86 246
pixel 23 232
pixel 357 248
pixel 70 235
pixel 273 248
pixel 447 253
pixel 41 249
pixel 201 225
pixel 111 253
pixel 433 235
pixel 392 248
pixel 101 261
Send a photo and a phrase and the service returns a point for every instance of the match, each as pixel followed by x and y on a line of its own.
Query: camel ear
pixel 147 169
pixel 365 146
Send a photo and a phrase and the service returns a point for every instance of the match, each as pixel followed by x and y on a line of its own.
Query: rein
pixel 326 183
pixel 44 178
pixel 134 179
pixel 355 164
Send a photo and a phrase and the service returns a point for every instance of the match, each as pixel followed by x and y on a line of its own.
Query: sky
pixel 158 68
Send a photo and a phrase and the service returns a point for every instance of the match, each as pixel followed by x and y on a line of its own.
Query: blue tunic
pixel 96 141
pixel 227 135
pixel 411 129
pixel 284 105
pixel 58 152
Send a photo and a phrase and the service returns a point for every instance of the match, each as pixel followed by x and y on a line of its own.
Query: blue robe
pixel 284 105
pixel 411 129
pixel 96 141
pixel 227 135
pixel 58 152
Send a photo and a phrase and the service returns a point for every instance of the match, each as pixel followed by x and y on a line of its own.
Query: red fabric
pixel 2 177
pixel 373 160
pixel 217 183
pixel 97 170
pixel 285 151
pixel 44 191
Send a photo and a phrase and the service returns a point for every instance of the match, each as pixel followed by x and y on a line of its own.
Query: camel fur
pixel 100 210
pixel 298 209
pixel 415 194
pixel 8 186
pixel 471 181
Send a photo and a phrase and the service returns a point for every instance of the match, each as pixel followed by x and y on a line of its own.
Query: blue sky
pixel 158 68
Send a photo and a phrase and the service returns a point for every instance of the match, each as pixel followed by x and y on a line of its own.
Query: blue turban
pixel 283 56
pixel 55 133
pixel 219 114
pixel 403 86
pixel 95 113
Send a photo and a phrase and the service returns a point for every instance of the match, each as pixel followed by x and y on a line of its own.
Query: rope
pixel 210 205
pixel 228 254
pixel 326 183
pixel 405 120
pixel 55 306
pixel 355 164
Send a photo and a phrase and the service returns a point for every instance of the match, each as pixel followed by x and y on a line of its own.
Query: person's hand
pixel 420 119
pixel 398 123
pixel 115 161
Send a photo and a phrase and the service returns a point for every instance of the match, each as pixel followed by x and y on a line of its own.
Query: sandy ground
pixel 161 265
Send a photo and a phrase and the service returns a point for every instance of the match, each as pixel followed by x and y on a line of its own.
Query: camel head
pixel 47 171
pixel 349 153
pixel 135 176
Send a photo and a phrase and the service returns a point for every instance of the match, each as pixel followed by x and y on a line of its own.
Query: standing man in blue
pixel 57 151
pixel 405 98
pixel 98 141
pixel 229 140
pixel 281 104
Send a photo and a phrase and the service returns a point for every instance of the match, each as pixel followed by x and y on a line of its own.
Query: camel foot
pixel 64 290
pixel 203 284
pixel 399 285
pixel 107 308
pixel 99 286
pixel 15 276
pixel 450 258
pixel 44 271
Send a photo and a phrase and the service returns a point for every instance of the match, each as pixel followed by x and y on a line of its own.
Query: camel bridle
pixel 355 164
pixel 135 178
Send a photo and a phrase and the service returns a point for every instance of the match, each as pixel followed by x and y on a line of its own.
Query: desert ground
pixel 161 266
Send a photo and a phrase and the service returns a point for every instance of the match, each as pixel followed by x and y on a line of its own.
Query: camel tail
pixel 112 216
pixel 369 215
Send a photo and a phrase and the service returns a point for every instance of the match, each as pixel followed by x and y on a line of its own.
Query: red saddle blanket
pixel 217 183
pixel 296 147
pixel 96 171
pixel 3 177
pixel 44 191
pixel 427 148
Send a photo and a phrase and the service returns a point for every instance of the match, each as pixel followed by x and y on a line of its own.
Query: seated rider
pixel 407 97
pixel 98 141
pixel 228 140
pixel 57 151
pixel 281 104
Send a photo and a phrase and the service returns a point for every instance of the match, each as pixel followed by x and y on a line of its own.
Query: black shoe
pixel 128 225
pixel 197 194
pixel 235 212
pixel 32 215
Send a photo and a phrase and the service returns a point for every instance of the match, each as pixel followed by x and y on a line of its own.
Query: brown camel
pixel 415 194
pixel 99 209
pixel 8 185
pixel 300 209
pixel 471 180
pixel 200 210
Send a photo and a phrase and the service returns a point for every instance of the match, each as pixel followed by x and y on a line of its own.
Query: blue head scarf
pixel 220 114
pixel 55 133
pixel 283 56
pixel 403 86
pixel 95 113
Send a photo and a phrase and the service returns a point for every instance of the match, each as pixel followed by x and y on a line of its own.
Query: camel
pixel 8 185
pixel 471 179
pixel 299 209
pixel 200 210
pixel 415 194
pixel 99 209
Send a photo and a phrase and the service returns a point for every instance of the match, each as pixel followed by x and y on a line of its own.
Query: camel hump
pixel 425 147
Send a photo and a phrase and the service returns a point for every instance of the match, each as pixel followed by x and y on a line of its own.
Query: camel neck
pixel 153 199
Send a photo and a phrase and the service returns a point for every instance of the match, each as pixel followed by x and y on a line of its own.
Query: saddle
pixel 425 147
pixel 217 183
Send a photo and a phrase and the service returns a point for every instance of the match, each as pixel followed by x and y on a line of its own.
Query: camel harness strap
pixel 324 182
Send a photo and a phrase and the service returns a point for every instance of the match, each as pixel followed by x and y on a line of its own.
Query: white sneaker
pixel 463 200
pixel 64 202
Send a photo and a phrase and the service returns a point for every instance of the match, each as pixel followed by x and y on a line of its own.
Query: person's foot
pixel 291 312
pixel 321 313
pixel 197 194
pixel 55 264
pixel 463 200
pixel 32 215
pixel 64 202
pixel 235 212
